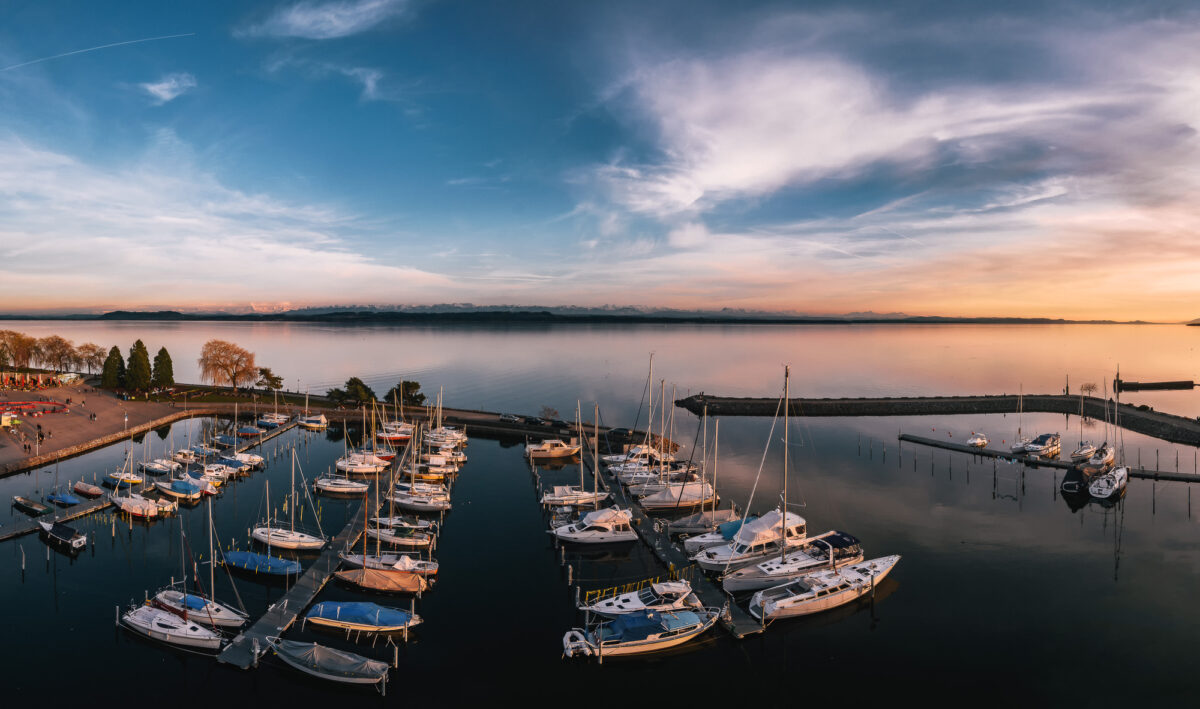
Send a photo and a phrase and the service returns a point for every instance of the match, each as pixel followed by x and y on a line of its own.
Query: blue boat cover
pixel 360 613
pixel 185 487
pixel 641 625
pixel 193 603
pixel 729 529
pixel 267 424
pixel 227 440
pixel 63 498
pixel 249 430
pixel 261 563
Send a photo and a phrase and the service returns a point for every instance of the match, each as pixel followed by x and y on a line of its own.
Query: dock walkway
pixel 653 533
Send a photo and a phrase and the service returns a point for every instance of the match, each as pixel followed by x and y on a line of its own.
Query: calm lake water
pixel 1005 590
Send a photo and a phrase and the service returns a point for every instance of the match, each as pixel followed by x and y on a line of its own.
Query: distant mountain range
pixel 470 313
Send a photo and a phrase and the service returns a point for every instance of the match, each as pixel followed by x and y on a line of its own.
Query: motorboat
pixel 977 440
pixel 640 632
pixel 167 627
pixel 331 664
pixel 664 596
pixel 361 617
pixel 551 448
pixel 1085 451
pixel 611 524
pixel 401 562
pixel 572 495
pixel 1103 457
pixel 722 534
pixel 1110 484
pixel 812 556
pixel 821 591
pixel 199 609
pixel 1046 445
pixel 63 535
pixel 766 536
pixel 339 485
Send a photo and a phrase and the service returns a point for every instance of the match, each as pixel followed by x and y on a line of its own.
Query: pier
pixel 1139 419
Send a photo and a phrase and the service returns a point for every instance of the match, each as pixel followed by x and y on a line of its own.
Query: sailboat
pixel 288 538
pixel 822 590
pixel 158 624
pixel 574 495
pixel 312 422
pixel 706 521
pixel 361 617
pixel 829 550
pixel 390 580
pixel 1021 441
pixel 198 607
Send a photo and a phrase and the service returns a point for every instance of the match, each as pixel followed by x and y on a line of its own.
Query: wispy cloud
pixel 169 87
pixel 326 20
pixel 93 49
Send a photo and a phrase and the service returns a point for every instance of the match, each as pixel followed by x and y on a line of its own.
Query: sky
pixel 932 158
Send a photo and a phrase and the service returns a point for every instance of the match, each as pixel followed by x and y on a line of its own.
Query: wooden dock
pixel 1035 462
pixel 653 533
pixel 88 507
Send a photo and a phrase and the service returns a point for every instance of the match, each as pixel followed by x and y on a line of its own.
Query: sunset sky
pixel 933 158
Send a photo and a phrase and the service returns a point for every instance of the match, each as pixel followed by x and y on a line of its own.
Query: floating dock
pixel 1035 462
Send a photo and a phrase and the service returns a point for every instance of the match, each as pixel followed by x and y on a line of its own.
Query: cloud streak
pixel 169 87
pixel 94 49
pixel 327 20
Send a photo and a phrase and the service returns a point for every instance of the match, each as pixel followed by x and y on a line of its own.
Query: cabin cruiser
pixel 1047 444
pixel 665 596
pixel 551 448
pixel 611 524
pixel 766 536
pixel 821 591
pixel 641 632
pixel 812 556
pixel 1110 484
pixel 186 456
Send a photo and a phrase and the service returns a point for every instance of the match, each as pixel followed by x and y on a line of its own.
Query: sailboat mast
pixel 212 562
pixel 650 404
pixel 716 449
pixel 292 495
pixel 787 404
pixel 595 456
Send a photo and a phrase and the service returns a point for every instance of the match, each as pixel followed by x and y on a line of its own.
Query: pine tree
pixel 114 370
pixel 137 375
pixel 164 371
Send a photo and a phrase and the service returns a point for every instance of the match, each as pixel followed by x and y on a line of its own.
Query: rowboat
pixel 30 507
pixel 328 663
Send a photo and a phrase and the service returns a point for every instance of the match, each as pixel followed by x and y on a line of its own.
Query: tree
pixel 137 372
pixel 90 355
pixel 224 363
pixel 56 353
pixel 268 379
pixel 164 370
pixel 114 370
pixel 355 391
pixel 408 392
pixel 549 413
pixel 21 348
pixel 1088 388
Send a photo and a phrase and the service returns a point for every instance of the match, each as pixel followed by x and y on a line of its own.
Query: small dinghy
pixel 328 663
pixel 639 632
pixel 402 537
pixel 384 580
pixel 199 609
pixel 807 559
pixel 665 596
pixel 338 485
pixel 359 616
pixel 30 507
pixel 1110 484
pixel 821 591
pixel 63 499
pixel 167 627
pixel 399 562
pixel 255 563
pixel 63 535
pixel 87 489
pixel 604 526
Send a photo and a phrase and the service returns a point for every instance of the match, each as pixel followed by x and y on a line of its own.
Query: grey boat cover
pixel 329 663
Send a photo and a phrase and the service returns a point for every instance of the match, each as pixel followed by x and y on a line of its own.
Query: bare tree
pixel 223 363
pixel 1088 388
pixel 91 356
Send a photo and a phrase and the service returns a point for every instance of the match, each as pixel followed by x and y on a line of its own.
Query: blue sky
pixel 932 157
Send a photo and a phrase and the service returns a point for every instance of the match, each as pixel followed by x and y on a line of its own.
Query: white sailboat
pixel 828 550
pixel 821 591
pixel 288 538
